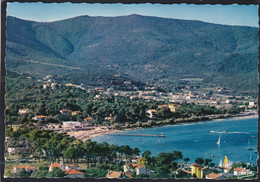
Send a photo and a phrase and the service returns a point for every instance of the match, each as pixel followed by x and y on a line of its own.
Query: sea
pixel 198 140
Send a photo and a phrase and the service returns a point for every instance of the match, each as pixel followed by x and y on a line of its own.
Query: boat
pixel 255 151
pixel 219 140
pixel 211 156
pixel 212 131
pixel 248 147
pixel 226 163
pixel 220 164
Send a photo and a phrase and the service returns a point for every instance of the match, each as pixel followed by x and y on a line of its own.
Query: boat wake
pixel 229 132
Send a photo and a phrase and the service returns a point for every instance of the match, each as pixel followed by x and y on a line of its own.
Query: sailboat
pixel 226 163
pixel 249 148
pixel 219 140
pixel 220 163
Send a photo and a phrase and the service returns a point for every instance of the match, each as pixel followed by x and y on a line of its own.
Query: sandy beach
pixel 101 130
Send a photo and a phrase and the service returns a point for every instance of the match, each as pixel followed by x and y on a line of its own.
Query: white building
pixel 53 85
pixel 19 168
pixel 56 165
pixel 241 171
pixel 23 111
pixel 151 113
pixel 137 168
pixel 45 86
pixel 39 118
pixel 71 124
pixel 71 166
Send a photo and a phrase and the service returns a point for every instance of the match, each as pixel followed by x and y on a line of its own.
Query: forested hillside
pixel 152 50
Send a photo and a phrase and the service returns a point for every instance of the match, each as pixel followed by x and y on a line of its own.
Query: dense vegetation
pixel 23 92
pixel 99 157
pixel 149 49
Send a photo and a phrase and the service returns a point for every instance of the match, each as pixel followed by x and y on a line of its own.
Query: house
pixel 97 97
pixel 48 77
pixel 215 102
pixel 27 168
pixel 162 106
pixel 69 85
pixel 241 171
pixel 99 88
pixel 65 111
pixel 189 97
pixel 115 175
pixel 127 82
pixel 134 97
pixel 252 104
pixel 136 168
pixel 39 118
pixel 199 170
pixel 173 107
pixel 16 127
pixel 71 166
pixel 71 124
pixel 151 113
pixel 72 173
pixel 76 113
pixel 52 166
pixel 53 85
pixel 23 111
pixel 213 176
pixel 109 118
pixel 45 86
pixel 88 119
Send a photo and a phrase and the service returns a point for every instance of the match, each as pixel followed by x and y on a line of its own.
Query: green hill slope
pixel 149 49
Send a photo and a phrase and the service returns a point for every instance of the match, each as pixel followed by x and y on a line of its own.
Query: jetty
pixel 135 135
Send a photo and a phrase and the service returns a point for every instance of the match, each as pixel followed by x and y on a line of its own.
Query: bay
pixel 197 139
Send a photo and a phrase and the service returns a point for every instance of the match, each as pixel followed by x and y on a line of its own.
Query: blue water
pixel 196 140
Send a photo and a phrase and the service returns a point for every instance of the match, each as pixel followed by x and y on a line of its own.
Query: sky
pixel 244 15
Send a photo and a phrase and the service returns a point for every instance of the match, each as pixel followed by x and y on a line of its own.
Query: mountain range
pixel 152 50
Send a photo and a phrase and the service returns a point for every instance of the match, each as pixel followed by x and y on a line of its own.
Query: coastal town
pixel 87 127
pixel 29 151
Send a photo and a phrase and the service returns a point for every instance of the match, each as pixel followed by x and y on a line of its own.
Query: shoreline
pixel 99 131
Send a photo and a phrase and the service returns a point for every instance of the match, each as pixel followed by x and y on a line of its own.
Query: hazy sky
pixel 222 14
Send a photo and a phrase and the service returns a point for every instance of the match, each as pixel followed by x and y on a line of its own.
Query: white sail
pixel 230 163
pixel 219 140
pixel 220 163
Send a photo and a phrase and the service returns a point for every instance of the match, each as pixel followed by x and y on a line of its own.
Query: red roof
pixel 23 109
pixel 99 88
pixel 88 118
pixel 213 176
pixel 152 110
pixel 239 169
pixel 78 112
pixel 41 116
pixel 55 165
pixel 65 110
pixel 162 106
pixel 72 171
